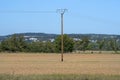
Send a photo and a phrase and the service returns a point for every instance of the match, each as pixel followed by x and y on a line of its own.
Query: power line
pixel 27 11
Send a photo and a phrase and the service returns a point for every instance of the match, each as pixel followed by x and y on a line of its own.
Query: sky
pixel 82 16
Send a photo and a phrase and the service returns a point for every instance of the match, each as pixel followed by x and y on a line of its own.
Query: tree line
pixel 17 43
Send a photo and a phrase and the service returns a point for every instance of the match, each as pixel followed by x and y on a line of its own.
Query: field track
pixel 50 64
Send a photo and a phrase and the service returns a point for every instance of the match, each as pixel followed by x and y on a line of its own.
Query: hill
pixel 51 37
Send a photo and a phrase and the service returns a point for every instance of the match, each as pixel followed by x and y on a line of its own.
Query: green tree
pixel 35 47
pixel 77 46
pixel 114 45
pixel 7 45
pixel 92 46
pixel 14 43
pixel 42 47
pixel 100 45
pixel 84 43
pixel 67 41
pixel 22 44
pixel 49 47
pixel 0 47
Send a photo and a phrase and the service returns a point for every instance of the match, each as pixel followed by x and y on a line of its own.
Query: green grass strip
pixel 59 77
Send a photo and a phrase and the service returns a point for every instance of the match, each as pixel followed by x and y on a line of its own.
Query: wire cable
pixel 27 11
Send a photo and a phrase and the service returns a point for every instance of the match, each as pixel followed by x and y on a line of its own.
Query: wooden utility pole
pixel 62 11
pixel 62 44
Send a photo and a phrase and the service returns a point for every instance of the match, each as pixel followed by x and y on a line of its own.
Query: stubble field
pixel 27 64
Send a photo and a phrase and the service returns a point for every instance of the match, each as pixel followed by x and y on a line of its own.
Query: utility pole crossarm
pixel 61 11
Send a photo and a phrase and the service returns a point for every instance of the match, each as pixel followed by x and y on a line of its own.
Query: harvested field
pixel 50 64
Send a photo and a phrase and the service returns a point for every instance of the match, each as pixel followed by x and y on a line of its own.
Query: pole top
pixel 62 11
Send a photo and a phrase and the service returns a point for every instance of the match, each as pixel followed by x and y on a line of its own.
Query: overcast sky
pixel 83 16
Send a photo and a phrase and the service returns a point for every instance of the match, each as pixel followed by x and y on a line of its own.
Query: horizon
pixel 59 34
pixel 86 17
